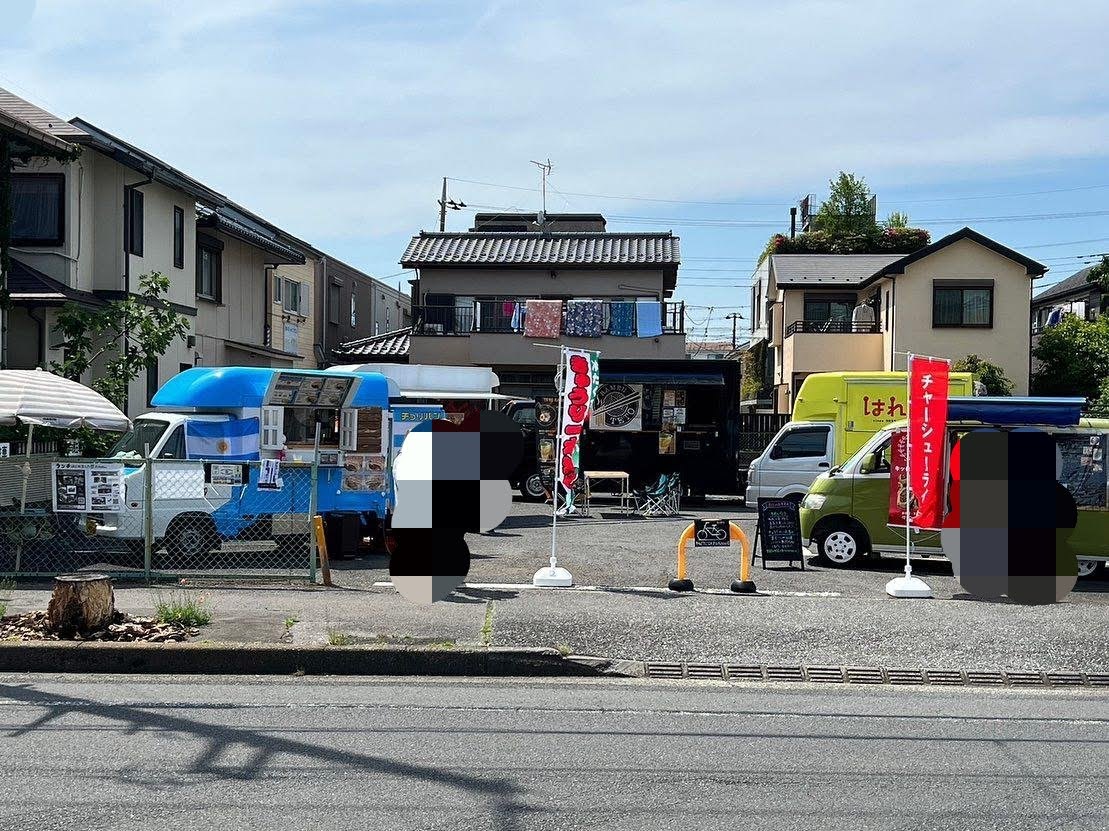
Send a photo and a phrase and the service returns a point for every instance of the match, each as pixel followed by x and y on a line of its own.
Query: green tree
pixel 93 338
pixel 846 211
pixel 991 376
pixel 1099 408
pixel 1099 274
pixel 1074 358
pixel 897 219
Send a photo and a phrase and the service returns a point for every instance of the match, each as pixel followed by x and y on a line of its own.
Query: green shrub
pixel 184 608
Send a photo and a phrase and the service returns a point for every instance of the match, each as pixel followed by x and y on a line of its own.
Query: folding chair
pixel 660 499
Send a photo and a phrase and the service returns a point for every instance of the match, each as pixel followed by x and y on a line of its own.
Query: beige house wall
pixel 1006 343
pixel 280 317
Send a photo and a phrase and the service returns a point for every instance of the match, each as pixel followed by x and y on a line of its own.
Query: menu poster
pixel 80 487
pixel 269 475
pixel 779 526
pixel 1084 471
pixel 679 415
pixel 668 398
pixel 299 390
pixel 679 398
pixel 364 472
pixel 666 443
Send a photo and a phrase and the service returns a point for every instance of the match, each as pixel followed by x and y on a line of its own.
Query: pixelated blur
pixel 1010 518
pixel 450 479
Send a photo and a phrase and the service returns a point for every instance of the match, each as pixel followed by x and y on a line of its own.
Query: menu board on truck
pixel 364 472
pixel 80 487
pixel 293 389
pixel 1084 472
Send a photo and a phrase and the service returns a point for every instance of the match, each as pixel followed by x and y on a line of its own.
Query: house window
pixel 291 297
pixel 333 301
pixel 38 209
pixel 277 288
pixel 209 269
pixel 133 211
pixel 962 304
pixel 819 308
pixel 178 237
pixel 353 311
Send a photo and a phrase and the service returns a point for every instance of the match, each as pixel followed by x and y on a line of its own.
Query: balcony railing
pixel 493 316
pixel 831 327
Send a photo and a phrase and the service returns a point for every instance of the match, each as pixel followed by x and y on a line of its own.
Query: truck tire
pixel 1089 568
pixel 842 544
pixel 532 490
pixel 190 538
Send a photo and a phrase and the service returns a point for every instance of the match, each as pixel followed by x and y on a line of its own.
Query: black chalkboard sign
pixel 780 531
pixel 711 533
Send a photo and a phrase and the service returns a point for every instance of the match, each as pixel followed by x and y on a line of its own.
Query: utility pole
pixel 544 172
pixel 443 208
pixel 734 316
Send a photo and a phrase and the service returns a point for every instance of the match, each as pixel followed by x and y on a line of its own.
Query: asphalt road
pixel 142 753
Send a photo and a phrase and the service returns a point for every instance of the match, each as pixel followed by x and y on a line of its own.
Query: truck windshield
pixel 143 432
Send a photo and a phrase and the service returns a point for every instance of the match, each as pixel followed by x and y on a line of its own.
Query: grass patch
pixel 290 622
pixel 183 607
pixel 337 638
pixel 6 589
pixel 487 626
pixel 563 649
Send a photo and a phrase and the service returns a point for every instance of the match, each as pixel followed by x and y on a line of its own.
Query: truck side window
pixel 174 448
pixel 804 442
pixel 881 457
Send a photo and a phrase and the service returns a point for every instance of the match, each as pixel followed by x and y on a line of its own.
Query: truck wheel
pixel 532 489
pixel 841 545
pixel 189 538
pixel 1089 568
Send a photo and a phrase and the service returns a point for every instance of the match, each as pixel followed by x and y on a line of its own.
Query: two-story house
pixel 354 307
pixel 962 294
pixel 1075 295
pixel 473 288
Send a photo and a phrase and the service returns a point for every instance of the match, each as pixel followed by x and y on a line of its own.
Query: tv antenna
pixel 544 172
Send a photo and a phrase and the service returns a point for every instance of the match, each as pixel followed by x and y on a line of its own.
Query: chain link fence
pixel 157 517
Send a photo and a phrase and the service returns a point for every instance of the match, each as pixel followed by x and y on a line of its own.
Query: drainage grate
pixel 986 679
pixel 905 676
pixel 1018 678
pixel 664 670
pixel 708 671
pixel 744 672
pixel 825 675
pixel 1065 679
pixel 785 674
pixel 945 676
pixel 1097 679
pixel 865 675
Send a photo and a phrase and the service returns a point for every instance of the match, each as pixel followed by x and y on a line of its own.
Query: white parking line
pixel 386 584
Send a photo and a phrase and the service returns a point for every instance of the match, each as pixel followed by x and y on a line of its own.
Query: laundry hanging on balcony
pixel 585 318
pixel 543 318
pixel 621 319
pixel 648 318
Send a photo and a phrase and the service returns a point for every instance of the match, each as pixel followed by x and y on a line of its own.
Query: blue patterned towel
pixel 584 318
pixel 621 319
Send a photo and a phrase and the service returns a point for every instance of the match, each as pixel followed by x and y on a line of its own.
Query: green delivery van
pixel 845 513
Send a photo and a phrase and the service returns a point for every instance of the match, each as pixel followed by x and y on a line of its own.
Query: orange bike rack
pixel 743 585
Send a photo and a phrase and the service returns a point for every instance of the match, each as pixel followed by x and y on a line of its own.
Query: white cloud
pixel 338 122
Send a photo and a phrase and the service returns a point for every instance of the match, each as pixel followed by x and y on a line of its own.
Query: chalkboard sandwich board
pixel 780 530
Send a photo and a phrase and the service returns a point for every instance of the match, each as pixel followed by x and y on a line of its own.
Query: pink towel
pixel 543 318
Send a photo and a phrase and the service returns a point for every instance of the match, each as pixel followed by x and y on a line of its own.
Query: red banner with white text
pixel 899 483
pixel 928 386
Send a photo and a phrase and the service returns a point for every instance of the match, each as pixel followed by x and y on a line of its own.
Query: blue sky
pixel 337 121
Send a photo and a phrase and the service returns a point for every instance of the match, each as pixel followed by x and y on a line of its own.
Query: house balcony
pixel 482 333
pixel 831 346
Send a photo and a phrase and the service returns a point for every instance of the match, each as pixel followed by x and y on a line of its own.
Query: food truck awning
pixel 1057 412
pixel 665 378
pixel 34 396
pixel 246 386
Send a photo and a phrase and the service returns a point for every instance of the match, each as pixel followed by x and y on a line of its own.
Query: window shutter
pixel 348 429
pixel 302 299
pixel 273 427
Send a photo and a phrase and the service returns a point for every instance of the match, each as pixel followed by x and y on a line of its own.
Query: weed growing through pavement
pixel 290 622
pixel 6 589
pixel 183 607
pixel 337 638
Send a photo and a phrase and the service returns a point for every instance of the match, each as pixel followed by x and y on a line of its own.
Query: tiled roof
pixel 1074 284
pixel 229 221
pixel 390 344
pixel 37 117
pixel 831 269
pixel 30 286
pixel 542 248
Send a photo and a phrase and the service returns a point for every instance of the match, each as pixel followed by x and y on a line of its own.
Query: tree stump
pixel 80 603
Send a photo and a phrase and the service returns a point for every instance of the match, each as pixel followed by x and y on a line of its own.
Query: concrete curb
pixel 288 659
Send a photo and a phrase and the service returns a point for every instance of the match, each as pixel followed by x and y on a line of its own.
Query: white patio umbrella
pixel 36 397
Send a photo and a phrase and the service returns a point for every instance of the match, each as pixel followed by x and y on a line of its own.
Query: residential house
pixel 354 306
pixel 1075 295
pixel 473 286
pixel 962 294
pixel 709 350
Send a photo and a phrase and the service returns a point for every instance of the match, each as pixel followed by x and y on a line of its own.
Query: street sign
pixel 711 533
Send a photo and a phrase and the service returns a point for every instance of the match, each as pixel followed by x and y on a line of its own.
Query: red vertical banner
pixel 928 385
pixel 899 484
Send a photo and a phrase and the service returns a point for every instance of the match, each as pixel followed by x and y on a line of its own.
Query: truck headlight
pixel 813 501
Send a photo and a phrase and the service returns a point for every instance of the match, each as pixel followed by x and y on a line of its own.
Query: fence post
pixel 312 505
pixel 148 515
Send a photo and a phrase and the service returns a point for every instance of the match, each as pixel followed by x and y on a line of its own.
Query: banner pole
pixel 552 576
pixel 908 586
